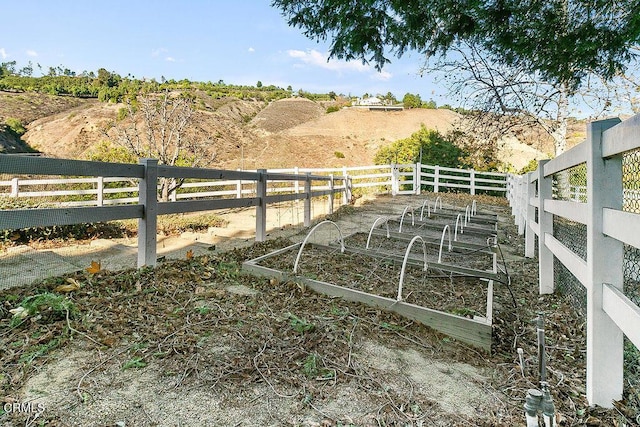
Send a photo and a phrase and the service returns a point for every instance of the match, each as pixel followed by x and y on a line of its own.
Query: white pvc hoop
pixel 455 233
pixel 304 242
pixel 425 203
pixel 404 263
pixel 474 207
pixel 386 222
pixel 444 230
pixel 435 204
pixel 404 212
pixel 467 214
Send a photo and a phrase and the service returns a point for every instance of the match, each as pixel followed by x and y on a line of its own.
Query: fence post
pixel 173 195
pixel 296 184
pixel 331 184
pixel 436 178
pixel 510 191
pixel 346 196
pixel 529 234
pixel 261 206
pixel 521 213
pixel 417 176
pixel 395 179
pixel 100 188
pixel 604 264
pixel 307 199
pixel 147 225
pixel 239 189
pixel 472 181
pixel 545 219
pixel 15 187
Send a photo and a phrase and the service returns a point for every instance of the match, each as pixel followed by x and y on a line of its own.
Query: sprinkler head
pixel 532 401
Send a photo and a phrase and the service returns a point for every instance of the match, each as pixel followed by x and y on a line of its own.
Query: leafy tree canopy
pixel 412 101
pixel 436 150
pixel 564 40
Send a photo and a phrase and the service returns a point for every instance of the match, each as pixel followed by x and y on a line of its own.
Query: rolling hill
pixel 245 133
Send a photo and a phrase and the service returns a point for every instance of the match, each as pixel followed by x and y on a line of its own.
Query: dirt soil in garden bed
pixel 198 342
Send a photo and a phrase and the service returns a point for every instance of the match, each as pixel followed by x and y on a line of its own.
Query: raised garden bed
pixel 450 291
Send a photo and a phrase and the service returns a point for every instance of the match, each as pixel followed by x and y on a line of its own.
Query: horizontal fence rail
pixel 247 189
pixel 113 189
pixel 590 186
pixel 100 191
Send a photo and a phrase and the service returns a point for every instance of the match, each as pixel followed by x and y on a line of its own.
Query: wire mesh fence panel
pixel 631 181
pixel 569 285
pixel 571 185
pixel 574 236
pixel 631 261
pixel 631 203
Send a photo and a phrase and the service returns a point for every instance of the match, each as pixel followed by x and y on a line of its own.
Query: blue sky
pixel 238 41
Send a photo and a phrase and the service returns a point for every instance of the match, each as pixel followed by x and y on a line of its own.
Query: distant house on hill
pixel 367 102
pixel 375 103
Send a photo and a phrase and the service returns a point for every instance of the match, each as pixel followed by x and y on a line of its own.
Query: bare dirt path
pixel 22 265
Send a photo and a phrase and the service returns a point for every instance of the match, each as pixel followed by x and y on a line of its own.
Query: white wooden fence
pixel 145 205
pixel 610 314
pixel 398 179
pixel 203 189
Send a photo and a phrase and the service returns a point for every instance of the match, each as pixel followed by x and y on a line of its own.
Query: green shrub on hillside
pixel 15 125
pixel 530 167
pixel 436 150
pixel 108 152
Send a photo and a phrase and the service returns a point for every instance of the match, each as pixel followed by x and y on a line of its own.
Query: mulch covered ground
pixel 208 321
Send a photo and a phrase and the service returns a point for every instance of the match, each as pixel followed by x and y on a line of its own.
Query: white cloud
pixel 158 52
pixel 32 53
pixel 251 50
pixel 3 53
pixel 382 76
pixel 317 59
pixel 170 59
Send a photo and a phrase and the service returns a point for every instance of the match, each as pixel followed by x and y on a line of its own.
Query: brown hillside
pixel 247 133
pixel 287 113
pixel 356 133
pixel 285 133
pixel 28 107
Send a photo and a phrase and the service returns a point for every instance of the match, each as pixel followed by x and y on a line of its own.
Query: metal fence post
pixel 261 206
pixel 604 265
pixel 417 176
pixel 545 220
pixel 147 225
pixel 307 200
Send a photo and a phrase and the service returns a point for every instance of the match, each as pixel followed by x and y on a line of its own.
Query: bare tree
pixel 504 99
pixel 163 126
